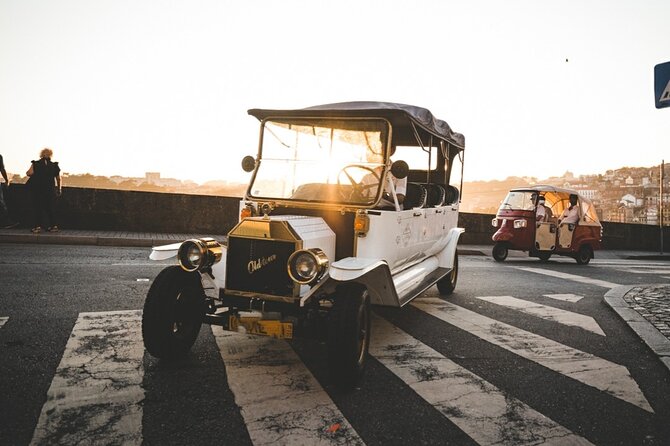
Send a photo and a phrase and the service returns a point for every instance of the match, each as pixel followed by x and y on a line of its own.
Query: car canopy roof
pixel 546 188
pixel 404 119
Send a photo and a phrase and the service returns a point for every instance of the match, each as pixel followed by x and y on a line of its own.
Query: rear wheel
pixel 349 335
pixel 447 284
pixel 499 252
pixel 584 255
pixel 173 313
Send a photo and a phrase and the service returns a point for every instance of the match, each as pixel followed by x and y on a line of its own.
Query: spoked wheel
pixel 349 335
pixel 544 255
pixel 447 284
pixel 584 255
pixel 173 313
pixel 500 252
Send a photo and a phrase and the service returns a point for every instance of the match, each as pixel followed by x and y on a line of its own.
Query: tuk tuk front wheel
pixel 349 335
pixel 544 256
pixel 447 284
pixel 500 252
pixel 584 255
pixel 173 313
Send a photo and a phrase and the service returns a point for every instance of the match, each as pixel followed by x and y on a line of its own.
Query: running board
pixel 428 281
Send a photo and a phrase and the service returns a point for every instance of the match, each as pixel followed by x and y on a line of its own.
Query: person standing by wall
pixel 5 221
pixel 44 184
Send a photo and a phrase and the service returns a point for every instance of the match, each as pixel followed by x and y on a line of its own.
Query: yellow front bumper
pixel 258 326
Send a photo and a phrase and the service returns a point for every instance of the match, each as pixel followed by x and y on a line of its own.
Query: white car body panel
pixel 407 237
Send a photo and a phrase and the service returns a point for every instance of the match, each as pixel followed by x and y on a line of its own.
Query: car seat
pixel 415 197
pixel 436 194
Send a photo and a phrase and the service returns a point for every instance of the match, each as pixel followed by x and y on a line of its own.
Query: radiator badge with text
pixel 255 265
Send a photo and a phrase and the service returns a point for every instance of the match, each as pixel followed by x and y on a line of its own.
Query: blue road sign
pixel 662 84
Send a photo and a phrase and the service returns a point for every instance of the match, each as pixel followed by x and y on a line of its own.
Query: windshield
pixel 323 161
pixel 518 201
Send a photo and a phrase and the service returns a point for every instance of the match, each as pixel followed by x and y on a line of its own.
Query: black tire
pixel 349 335
pixel 499 252
pixel 544 255
pixel 173 313
pixel 584 255
pixel 447 284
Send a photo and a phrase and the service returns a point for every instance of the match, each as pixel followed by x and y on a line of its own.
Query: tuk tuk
pixel 533 219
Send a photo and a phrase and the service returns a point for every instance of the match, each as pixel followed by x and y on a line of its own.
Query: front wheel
pixel 499 252
pixel 544 255
pixel 447 284
pixel 349 335
pixel 173 313
pixel 584 255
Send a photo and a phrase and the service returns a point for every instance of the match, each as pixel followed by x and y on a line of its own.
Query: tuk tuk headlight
pixel 518 224
pixel 306 266
pixel 494 222
pixel 199 254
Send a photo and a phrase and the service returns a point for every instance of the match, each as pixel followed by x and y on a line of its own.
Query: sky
pixel 124 87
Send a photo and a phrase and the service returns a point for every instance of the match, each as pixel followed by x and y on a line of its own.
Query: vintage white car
pixel 314 247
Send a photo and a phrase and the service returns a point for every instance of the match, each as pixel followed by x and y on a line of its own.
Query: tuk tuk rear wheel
pixel 584 255
pixel 499 252
pixel 349 335
pixel 173 313
pixel 447 284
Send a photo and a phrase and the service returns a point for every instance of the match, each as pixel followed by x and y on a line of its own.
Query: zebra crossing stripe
pixel 3 321
pixel 280 400
pixel 573 277
pixel 96 394
pixel 643 270
pixel 548 313
pixel 565 297
pixel 477 407
pixel 586 368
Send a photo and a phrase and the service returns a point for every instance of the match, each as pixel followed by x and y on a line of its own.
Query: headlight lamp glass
pixel 522 223
pixel 199 254
pixel 307 266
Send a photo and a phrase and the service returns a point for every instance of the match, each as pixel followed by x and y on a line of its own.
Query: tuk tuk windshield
pixel 321 160
pixel 518 201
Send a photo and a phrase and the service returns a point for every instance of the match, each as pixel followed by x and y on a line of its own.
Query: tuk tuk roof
pixel 547 188
pixel 401 116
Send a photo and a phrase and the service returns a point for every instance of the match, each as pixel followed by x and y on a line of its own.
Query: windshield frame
pixel 385 135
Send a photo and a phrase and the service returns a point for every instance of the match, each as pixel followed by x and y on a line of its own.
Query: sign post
pixel 660 205
pixel 662 99
pixel 662 85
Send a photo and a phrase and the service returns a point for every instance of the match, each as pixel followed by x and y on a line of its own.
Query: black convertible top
pixel 401 117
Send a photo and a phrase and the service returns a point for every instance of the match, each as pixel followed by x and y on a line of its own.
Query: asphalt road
pixel 523 353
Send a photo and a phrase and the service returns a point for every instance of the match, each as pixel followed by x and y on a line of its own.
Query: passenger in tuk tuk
pixel 542 212
pixel 571 214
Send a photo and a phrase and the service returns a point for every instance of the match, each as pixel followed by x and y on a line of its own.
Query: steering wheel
pixel 359 191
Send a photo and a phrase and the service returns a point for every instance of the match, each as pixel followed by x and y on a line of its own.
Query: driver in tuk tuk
pixel 571 214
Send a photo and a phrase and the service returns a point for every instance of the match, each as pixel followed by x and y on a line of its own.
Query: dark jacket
pixel 44 176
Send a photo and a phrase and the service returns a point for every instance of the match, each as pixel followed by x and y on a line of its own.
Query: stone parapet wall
pixel 134 211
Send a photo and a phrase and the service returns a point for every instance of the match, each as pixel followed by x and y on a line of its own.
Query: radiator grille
pixel 259 266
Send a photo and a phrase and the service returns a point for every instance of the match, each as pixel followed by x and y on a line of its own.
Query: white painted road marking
pixel 573 277
pixel 565 297
pixel 279 398
pixel 96 394
pixel 589 369
pixel 477 407
pixel 548 313
pixel 3 321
